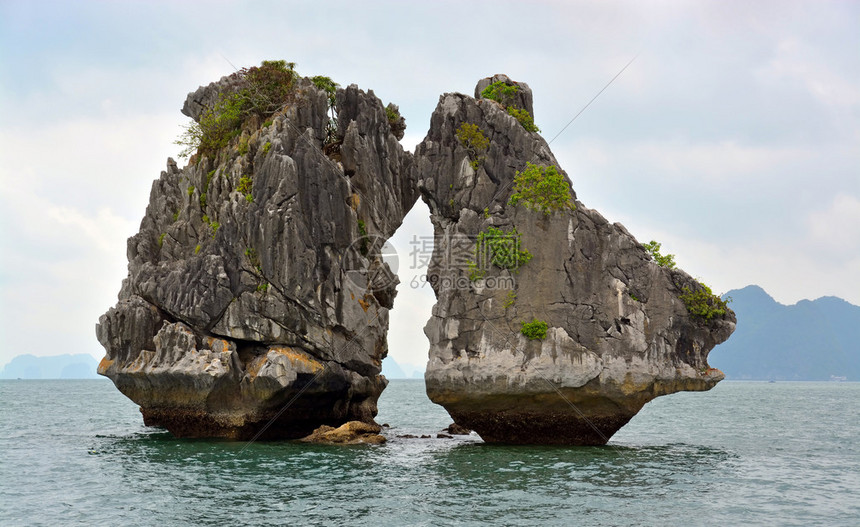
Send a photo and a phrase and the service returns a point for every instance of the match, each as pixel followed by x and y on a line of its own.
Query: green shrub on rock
pixel 246 184
pixel 653 248
pixel 524 117
pixel 471 137
pixel 475 142
pixel 268 86
pixel 702 303
pixel 327 85
pixel 219 125
pixel 396 122
pixel 244 146
pixel 505 95
pixel 330 87
pixel 541 188
pixel 505 248
pixel 534 330
pixel 262 91
pixel 500 248
pixel 391 114
pixel 500 92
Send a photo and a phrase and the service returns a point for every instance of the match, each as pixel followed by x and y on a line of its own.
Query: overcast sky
pixel 733 138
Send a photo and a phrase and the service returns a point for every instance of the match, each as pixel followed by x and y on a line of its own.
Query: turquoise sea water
pixel 77 453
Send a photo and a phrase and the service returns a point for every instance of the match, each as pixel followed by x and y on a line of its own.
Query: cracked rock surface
pixel 245 286
pixel 255 306
pixel 618 335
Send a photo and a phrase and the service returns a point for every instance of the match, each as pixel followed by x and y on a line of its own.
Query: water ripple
pixel 685 460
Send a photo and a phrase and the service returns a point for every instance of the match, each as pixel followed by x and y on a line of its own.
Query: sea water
pixel 77 453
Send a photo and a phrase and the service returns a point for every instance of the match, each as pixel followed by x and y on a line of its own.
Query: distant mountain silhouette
pixel 810 340
pixel 392 370
pixel 79 366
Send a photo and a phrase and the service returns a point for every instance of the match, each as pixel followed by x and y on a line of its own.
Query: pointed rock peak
pixel 506 92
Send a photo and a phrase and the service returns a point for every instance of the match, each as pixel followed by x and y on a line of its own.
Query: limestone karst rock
pixel 351 433
pixel 257 299
pixel 617 333
pixel 253 303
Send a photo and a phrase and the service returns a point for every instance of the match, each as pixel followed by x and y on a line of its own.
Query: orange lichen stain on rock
pixel 629 387
pixel 683 384
pixel 365 302
pixel 216 344
pixel 711 372
pixel 299 358
pixel 379 351
pixel 104 365
pixel 253 368
pixel 137 365
pixel 354 201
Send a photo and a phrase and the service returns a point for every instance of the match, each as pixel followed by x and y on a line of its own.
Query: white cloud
pixel 90 162
pixel 837 227
pixel 62 268
pixel 733 138
pixel 74 191
pixel 718 165
pixel 796 62
pixel 788 271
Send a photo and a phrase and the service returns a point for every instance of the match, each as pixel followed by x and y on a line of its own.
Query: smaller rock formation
pixel 351 433
pixel 457 430
pixel 552 325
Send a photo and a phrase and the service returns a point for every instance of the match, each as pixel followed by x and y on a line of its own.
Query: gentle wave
pixel 76 452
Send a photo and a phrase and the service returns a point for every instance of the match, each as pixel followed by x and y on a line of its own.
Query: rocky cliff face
pixel 617 333
pixel 254 302
pixel 257 299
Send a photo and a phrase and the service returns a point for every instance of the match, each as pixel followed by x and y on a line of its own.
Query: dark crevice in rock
pixel 249 283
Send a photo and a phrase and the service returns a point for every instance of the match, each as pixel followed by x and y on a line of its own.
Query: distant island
pixel 812 340
pixel 394 370
pixel 78 366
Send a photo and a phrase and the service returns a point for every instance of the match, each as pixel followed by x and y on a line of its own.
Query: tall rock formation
pixel 257 299
pixel 254 303
pixel 617 332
